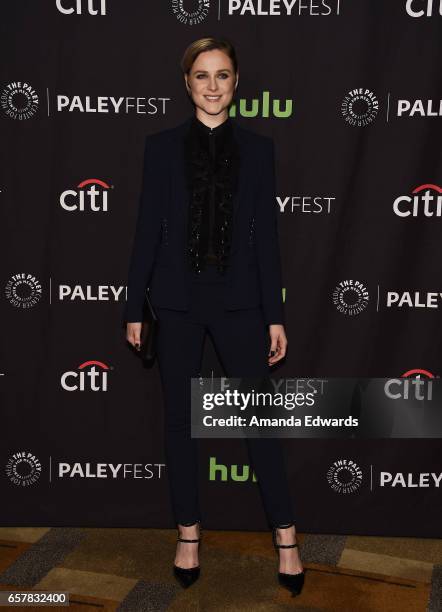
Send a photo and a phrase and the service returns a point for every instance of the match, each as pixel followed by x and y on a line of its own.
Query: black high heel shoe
pixel 292 582
pixel 187 576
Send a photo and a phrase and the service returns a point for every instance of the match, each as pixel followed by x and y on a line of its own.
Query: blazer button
pixel 165 235
pixel 251 231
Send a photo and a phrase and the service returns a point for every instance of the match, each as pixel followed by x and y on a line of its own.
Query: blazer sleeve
pixel 147 237
pixel 267 240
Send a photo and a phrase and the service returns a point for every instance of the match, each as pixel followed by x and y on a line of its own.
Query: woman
pixel 206 245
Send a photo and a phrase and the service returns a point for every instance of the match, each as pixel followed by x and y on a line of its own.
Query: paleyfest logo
pixel 23 290
pixel 111 104
pixel 19 100
pixel 23 468
pixel 350 297
pixel 191 13
pixel 360 107
pixel 344 476
pixel 420 108
pixel 195 15
pixel 146 471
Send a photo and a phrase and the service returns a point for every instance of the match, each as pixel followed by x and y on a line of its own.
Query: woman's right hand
pixel 133 334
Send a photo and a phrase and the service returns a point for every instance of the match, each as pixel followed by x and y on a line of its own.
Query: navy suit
pixel 159 250
pixel 234 311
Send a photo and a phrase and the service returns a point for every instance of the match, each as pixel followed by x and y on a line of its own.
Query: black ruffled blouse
pixel 212 166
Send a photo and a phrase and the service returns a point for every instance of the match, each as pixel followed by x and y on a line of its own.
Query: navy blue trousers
pixel 242 343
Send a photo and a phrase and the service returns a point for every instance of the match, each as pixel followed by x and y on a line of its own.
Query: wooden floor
pixel 131 569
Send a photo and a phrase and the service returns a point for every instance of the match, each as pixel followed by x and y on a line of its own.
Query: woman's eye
pixel 223 75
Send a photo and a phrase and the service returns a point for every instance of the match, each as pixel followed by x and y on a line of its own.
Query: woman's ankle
pixel 286 535
pixel 189 530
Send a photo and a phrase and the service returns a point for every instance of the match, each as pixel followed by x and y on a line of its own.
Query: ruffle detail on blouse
pixel 198 173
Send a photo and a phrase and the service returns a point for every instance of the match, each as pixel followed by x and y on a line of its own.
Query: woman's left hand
pixel 278 343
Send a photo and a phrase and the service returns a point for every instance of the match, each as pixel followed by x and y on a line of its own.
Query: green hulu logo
pixel 218 471
pixel 262 108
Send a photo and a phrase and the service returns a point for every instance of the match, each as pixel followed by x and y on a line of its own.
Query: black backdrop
pixel 354 92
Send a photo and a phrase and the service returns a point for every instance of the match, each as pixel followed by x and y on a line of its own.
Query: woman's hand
pixel 133 334
pixel 278 343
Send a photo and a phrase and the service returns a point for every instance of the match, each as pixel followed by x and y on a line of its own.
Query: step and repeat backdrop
pixel 351 93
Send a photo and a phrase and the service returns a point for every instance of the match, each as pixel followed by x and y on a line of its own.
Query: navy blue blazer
pixel 159 257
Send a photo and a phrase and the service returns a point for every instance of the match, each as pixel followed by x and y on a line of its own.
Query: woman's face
pixel 211 81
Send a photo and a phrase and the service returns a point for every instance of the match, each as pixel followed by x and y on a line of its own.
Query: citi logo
pixel 218 471
pixel 422 203
pixel 264 107
pixel 90 195
pixel 78 7
pixel 90 376
pixel 423 8
pixel 411 386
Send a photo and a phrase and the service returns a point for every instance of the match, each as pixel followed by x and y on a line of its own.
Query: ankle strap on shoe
pixel 285 545
pixel 274 537
pixel 180 539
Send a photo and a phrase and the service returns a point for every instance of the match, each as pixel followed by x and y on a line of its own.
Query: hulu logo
pixel 220 472
pixel 262 108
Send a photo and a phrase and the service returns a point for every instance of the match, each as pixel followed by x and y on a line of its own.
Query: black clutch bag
pixel 149 328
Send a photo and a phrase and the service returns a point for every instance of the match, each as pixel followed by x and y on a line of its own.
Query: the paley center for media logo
pixel 350 297
pixel 360 107
pixel 19 100
pixel 23 290
pixel 23 468
pixel 345 477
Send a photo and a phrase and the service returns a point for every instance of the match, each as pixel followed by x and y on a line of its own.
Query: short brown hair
pixel 207 44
